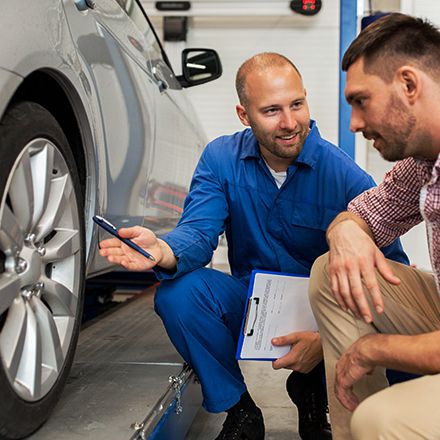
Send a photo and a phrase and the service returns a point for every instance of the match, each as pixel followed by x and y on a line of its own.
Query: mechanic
pixel 273 188
pixel 374 313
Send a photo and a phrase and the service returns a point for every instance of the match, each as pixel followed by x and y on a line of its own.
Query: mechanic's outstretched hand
pixel 118 252
pixel 354 259
pixel 305 352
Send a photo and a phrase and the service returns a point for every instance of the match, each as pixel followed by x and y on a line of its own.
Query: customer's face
pixel 380 113
pixel 277 111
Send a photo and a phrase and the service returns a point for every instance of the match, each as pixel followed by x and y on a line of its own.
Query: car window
pixel 134 11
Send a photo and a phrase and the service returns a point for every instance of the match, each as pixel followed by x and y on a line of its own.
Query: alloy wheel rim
pixel 39 270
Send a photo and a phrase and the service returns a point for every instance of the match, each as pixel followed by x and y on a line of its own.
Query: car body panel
pixel 9 82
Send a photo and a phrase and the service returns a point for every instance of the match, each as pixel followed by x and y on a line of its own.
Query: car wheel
pixel 42 266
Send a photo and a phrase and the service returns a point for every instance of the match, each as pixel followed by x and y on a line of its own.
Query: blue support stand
pixel 348 29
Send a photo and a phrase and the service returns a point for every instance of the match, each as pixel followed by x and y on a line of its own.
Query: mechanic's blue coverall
pixel 266 228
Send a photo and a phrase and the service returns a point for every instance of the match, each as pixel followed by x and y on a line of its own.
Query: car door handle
pixel 161 83
pixel 83 5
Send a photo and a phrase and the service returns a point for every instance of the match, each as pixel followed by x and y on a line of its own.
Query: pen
pixel 105 224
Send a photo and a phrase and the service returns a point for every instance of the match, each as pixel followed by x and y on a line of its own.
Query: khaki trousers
pixel 406 411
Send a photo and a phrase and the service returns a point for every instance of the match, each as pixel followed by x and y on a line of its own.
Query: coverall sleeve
pixel 204 215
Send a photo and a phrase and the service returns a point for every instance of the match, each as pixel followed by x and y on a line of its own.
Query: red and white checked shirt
pixel 409 194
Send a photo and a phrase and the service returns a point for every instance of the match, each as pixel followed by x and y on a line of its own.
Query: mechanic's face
pixel 278 114
pixel 380 113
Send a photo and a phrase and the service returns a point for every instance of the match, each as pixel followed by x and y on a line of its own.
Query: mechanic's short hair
pixel 261 61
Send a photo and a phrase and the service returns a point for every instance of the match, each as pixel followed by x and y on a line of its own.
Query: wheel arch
pixel 55 92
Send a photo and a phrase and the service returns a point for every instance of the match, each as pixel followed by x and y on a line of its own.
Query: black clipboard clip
pixel 248 312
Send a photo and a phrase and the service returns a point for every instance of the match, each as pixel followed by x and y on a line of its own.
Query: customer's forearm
pixel 348 216
pixel 414 354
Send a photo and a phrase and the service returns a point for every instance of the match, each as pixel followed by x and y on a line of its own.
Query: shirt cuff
pixel 188 258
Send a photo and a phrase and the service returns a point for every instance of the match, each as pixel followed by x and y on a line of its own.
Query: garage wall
pixel 240 29
pixel 423 8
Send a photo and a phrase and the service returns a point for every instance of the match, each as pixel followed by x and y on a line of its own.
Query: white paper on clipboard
pixel 278 304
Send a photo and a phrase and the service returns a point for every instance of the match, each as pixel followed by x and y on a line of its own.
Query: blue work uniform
pixel 269 228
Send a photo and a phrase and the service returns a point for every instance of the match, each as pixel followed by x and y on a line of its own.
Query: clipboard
pixel 277 304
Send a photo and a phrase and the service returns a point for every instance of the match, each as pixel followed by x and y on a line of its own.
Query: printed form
pixel 278 304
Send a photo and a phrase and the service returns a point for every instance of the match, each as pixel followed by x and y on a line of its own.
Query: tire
pixel 42 265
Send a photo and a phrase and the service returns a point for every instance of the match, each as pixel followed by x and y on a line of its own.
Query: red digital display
pixel 306 7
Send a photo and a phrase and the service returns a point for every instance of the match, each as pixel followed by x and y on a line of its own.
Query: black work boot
pixel 243 424
pixel 308 394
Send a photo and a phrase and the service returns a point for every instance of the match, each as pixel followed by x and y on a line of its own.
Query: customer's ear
pixel 409 79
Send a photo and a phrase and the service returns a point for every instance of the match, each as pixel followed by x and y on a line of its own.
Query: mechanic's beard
pixel 272 146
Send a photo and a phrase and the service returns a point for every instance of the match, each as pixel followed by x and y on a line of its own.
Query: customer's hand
pixel 118 252
pixel 305 352
pixel 351 367
pixel 354 258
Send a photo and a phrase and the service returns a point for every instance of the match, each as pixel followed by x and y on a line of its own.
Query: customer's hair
pixel 395 40
pixel 261 61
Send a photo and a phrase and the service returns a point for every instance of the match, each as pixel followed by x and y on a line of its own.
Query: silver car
pixel 92 121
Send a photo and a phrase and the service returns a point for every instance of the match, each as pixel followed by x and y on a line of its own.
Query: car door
pixel 113 49
pixel 179 142
pixel 149 123
pixel 178 137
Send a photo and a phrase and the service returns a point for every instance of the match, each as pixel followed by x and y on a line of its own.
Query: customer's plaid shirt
pixel 409 194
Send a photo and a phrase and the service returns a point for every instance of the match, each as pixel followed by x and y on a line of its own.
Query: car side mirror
pixel 199 66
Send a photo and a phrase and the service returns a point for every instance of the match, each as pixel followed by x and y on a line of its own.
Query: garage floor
pixel 121 369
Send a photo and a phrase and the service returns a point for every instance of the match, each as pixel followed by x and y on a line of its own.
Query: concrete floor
pixel 267 388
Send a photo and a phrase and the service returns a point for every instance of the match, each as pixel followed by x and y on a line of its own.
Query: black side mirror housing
pixel 199 66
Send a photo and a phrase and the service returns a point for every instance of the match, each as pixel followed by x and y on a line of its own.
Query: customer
pixel 274 189
pixel 374 313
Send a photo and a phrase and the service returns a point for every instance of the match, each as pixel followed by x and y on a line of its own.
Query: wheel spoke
pixel 21 193
pixel 64 244
pixel 61 300
pixel 29 370
pixel 12 337
pixel 65 326
pixel 51 353
pixel 11 235
pixel 57 205
pixel 9 290
pixel 41 167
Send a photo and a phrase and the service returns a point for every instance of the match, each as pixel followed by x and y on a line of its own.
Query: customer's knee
pixel 372 421
pixel 319 280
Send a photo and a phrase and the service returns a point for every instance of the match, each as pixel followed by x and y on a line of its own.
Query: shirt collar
pixel 309 153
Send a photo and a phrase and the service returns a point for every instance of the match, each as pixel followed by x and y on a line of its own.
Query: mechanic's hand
pixel 305 353
pixel 353 259
pixel 118 252
pixel 351 367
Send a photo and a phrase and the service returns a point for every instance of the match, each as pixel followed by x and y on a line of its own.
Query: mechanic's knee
pixel 319 280
pixel 174 298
